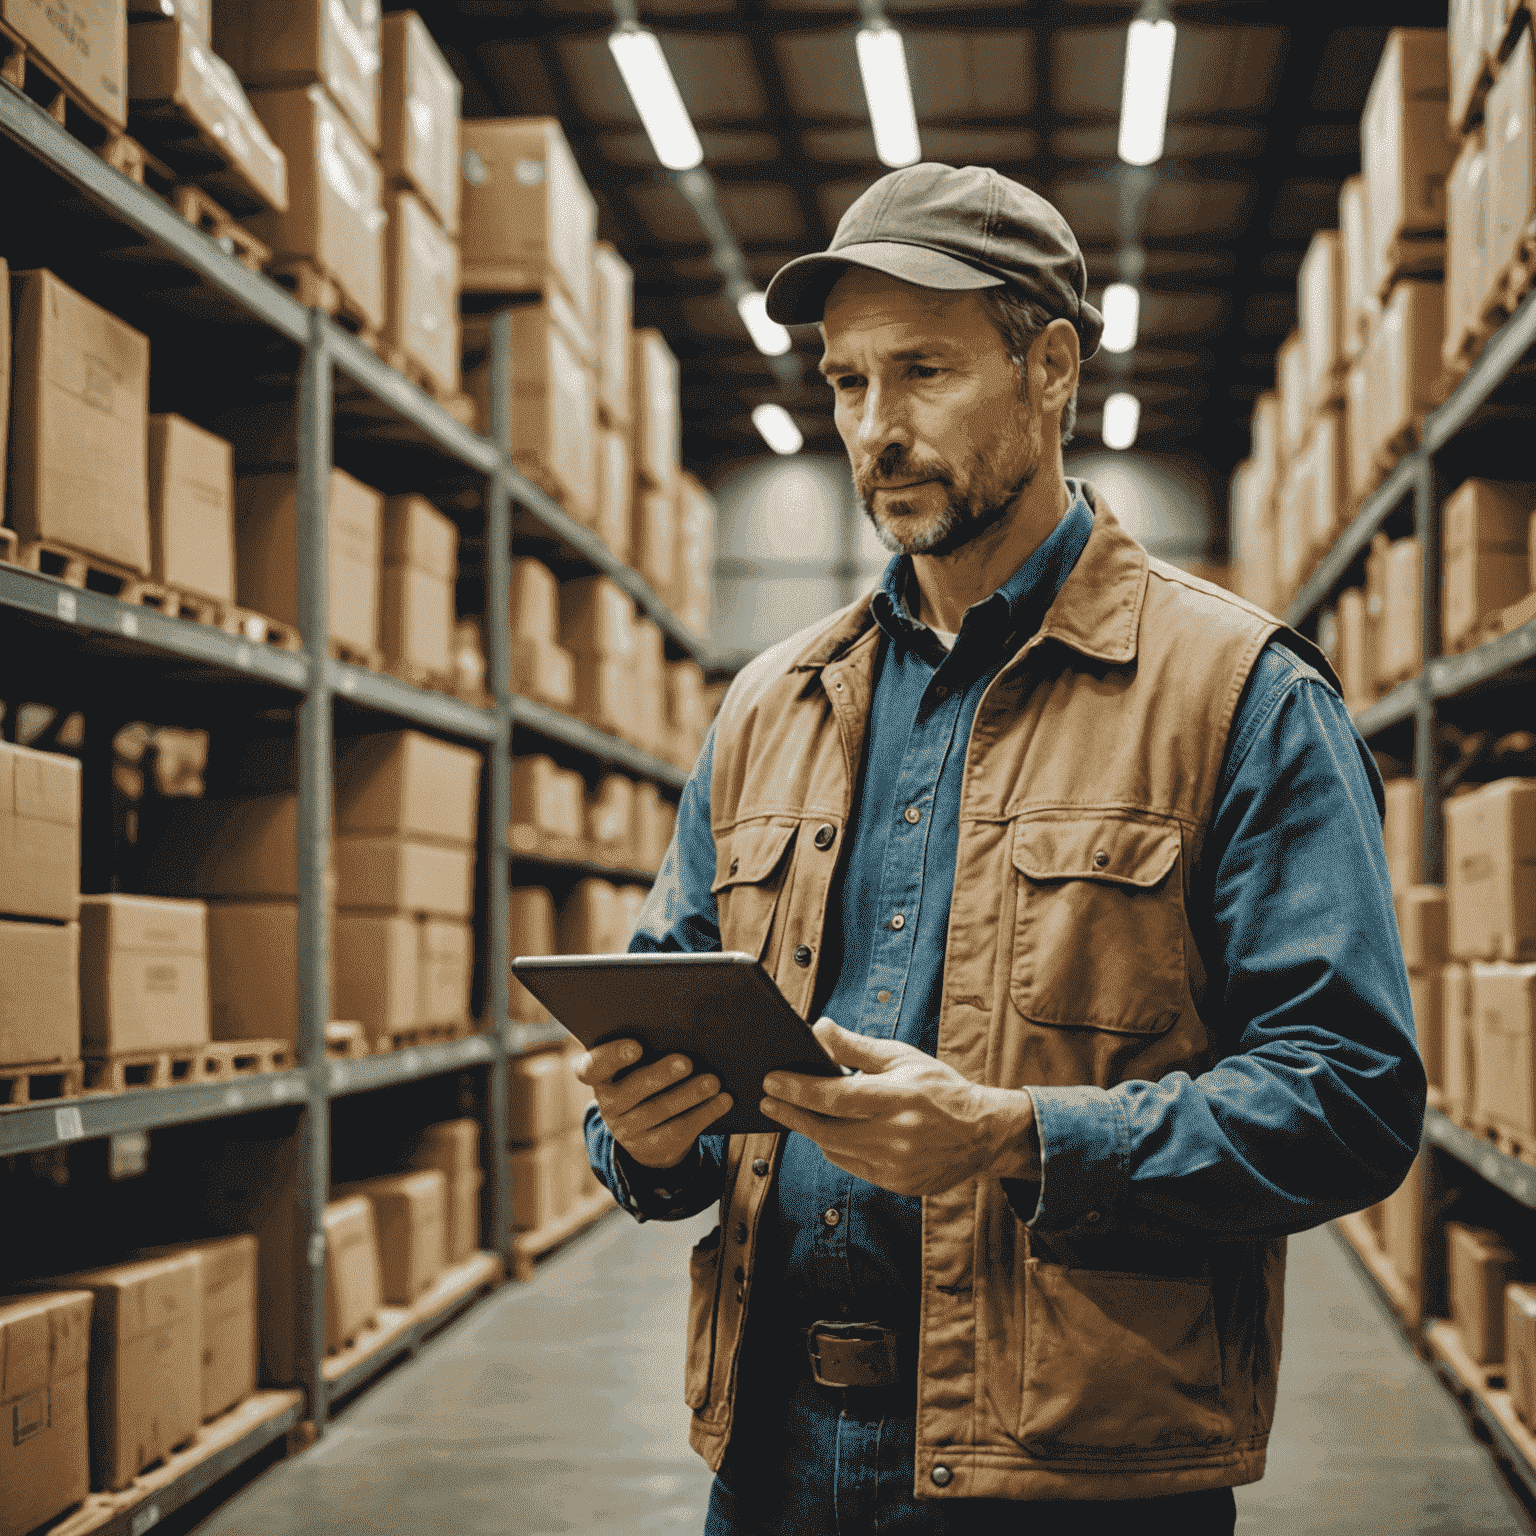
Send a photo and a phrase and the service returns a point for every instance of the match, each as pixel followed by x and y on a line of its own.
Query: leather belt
pixel 852 1354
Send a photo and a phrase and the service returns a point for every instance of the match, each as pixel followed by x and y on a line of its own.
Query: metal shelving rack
pixel 330 363
pixel 1475 432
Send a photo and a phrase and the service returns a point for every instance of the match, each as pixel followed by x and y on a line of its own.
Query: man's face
pixel 929 406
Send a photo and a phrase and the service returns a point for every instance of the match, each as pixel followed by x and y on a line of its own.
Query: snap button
pixel 741 1231
pixel 832 1216
pixel 825 833
pixel 735 865
pixel 802 954
pixel 898 921
pixel 941 1476
pixel 740 1275
pixel 882 996
pixel 760 1166
pixel 1092 1217
pixel 1100 859
pixel 838 685
pixel 913 815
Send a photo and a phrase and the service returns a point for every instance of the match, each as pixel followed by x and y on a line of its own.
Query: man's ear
pixel 1058 354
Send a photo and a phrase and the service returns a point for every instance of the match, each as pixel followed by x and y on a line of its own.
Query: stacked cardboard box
pixel 1421 924
pixel 655 820
pixel 191 509
pixel 613 294
pixel 531 913
pixel 592 919
pixel 541 667
pixel 598 628
pixel 1520 1349
pixel 1487 557
pixel 39 908
pixel 452 1148
pixel 416 595
pixel 687 715
pixel 654 373
pixel 694 563
pixel 354 1285
pixel 548 798
pixel 90 53
pixel 1402 1227
pixel 1255 491
pixel 406 815
pixel 1479 1267
pixel 1380 627
pixel 545 1110
pixel 410 1217
pixel 1402 833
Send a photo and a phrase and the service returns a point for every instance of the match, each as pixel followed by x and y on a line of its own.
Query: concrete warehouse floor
pixel 556 1407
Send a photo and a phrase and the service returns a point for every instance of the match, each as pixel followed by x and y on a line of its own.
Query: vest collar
pixel 1097 612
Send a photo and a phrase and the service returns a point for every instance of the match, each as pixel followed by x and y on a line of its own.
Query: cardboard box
pixel 694 566
pixel 227 1268
pixel 411 1216
pixel 334 43
pixel 1486 554
pixel 416 593
pixel 615 490
pixel 1504 1013
pixel 416 534
pixel 1295 398
pixel 591 920
pixel 87 47
pixel 39 833
pixel 5 375
pixel 541 1098
pixel 547 796
pixel 1425 991
pixel 335 215
pixel 464 1215
pixel 1467 234
pixel 377 979
pixel 1325 490
pixel 1520 1349
pixel 245 847
pixel 445 962
pixel 653 537
pixel 584 1182
pixel 143 974
pixel 631 900
pixel 554 406
pixel 421 291
pixel 606 696
pixel 79 472
pixel 657 423
pixel 535 600
pixel 597 618
pixel 527 217
pixel 387 874
pixel 1293 532
pixel 654 821
pixel 1353 664
pixel 145 1368
pixel 532 921
pixel 539 1185
pixel 197 14
pixel 1511 155
pixel 544 671
pixel 191 509
pixel 1406 154
pixel 45 1468
pixel 1474 31
pixel 1377 564
pixel 1362 304
pixel 1402 832
pixel 1411 330
pixel 39 993
pixel 1364 474
pixel 1320 318
pixel 611 816
pixel 175 79
pixel 408 784
pixel 450 1146
pixel 1421 920
pixel 419 119
pixel 613 286
pixel 267 545
pixel 1458 1052
pixel 353 1283
pixel 1402 1226
pixel 253 970
pixel 1490 860
pixel 1479 1267
pixel 1402 649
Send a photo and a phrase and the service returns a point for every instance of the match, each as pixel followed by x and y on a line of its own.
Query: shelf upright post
pixel 314 834
pixel 1426 747
pixel 498 656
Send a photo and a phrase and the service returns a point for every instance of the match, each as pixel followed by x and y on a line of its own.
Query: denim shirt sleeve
pixel 679 913
pixel 1316 1105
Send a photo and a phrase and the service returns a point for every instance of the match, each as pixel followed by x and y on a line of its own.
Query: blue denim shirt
pixel 1314 1109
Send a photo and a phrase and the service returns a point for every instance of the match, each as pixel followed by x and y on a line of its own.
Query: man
pixel 1078 862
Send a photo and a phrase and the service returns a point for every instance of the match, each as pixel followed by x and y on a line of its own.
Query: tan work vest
pixel 1071 1364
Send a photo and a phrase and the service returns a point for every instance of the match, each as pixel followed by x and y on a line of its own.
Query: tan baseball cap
pixel 956 228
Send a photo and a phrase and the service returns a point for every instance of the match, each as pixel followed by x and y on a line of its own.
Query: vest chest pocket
pixel 1099 931
pixel 751 861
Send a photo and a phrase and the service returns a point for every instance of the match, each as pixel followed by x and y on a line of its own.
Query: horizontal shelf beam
pixel 421 706
pixel 1509 1174
pixel 383 1071
pixel 1453 675
pixel 1392 709
pixel 530 1037
pixel 529 715
pixel 1492 366
pixel 54 1122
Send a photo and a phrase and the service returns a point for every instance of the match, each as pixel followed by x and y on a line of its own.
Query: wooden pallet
pixel 1510 1140
pixel 529 1247
pixel 345 1040
pixel 142 1069
pixel 358 656
pixel 36 78
pixel 95 573
pixel 458 404
pixel 1444 1339
pixel 241 622
pixel 318 290
pixel 535 843
pixel 418 676
pixel 221 1060
pixel 1412 256
pixel 423 1034
pixel 1500 622
pixel 197 208
pixel 38 1081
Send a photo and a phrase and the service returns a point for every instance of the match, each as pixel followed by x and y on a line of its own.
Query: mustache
pixel 896 464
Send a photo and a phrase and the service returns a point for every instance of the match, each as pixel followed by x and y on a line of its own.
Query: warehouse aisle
pixel 555 1407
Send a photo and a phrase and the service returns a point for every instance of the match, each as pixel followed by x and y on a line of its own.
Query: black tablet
pixel 721 1010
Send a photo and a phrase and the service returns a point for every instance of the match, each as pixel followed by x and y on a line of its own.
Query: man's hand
pixel 656 1113
pixel 906 1122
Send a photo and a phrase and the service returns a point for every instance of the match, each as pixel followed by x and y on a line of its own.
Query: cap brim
pixel 799 290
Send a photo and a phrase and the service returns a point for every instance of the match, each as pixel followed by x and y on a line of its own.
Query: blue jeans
pixel 826 1469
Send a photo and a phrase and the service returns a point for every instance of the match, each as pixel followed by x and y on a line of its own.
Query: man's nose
pixel 882 424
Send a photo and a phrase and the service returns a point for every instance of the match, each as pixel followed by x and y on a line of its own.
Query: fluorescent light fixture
pixel 654 93
pixel 1144 94
pixel 888 92
pixel 778 428
pixel 1122 416
pixel 768 336
pixel 1122 311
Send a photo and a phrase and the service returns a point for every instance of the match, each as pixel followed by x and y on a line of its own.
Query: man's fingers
pixel 848 1049
pixel 668 1144
pixel 644 1083
pixel 603 1062
pixel 657 1109
pixel 842 1098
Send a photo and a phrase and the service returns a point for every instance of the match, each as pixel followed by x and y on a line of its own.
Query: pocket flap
pixel 1096 848
pixel 750 853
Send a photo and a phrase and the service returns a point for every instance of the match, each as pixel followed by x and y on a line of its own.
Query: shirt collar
pixel 1025 596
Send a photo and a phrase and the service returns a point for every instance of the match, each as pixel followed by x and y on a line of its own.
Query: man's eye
pixel 847 381
pixel 923 371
